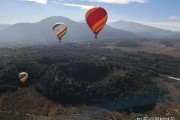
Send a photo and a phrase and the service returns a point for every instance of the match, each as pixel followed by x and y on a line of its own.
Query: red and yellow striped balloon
pixel 96 19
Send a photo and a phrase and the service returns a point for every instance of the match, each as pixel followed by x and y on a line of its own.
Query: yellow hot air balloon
pixel 60 30
pixel 23 76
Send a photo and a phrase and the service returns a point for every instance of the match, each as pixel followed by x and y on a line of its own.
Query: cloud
pixel 78 5
pixel 174 17
pixel 117 1
pixel 37 1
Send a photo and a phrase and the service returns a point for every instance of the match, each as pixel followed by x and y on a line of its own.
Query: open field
pixel 29 104
pixel 152 47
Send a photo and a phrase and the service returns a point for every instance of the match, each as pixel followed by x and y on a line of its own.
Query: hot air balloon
pixel 96 19
pixel 23 76
pixel 60 30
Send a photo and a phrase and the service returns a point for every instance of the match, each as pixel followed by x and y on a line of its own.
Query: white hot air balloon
pixel 23 76
pixel 60 30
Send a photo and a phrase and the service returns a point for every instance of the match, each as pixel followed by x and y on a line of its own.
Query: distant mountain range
pixel 145 31
pixel 41 32
pixel 3 26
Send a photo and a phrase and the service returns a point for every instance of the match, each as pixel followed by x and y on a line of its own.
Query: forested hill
pixel 85 73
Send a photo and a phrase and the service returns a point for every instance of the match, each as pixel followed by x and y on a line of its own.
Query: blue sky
pixel 159 13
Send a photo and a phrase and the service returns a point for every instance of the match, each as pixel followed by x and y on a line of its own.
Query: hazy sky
pixel 160 13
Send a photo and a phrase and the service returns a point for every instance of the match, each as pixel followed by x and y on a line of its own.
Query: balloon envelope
pixel 23 76
pixel 60 30
pixel 96 19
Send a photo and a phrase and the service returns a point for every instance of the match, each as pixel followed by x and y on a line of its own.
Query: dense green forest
pixel 86 73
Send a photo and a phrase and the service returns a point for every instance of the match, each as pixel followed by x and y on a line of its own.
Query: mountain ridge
pixel 41 32
pixel 144 30
pixel 3 26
